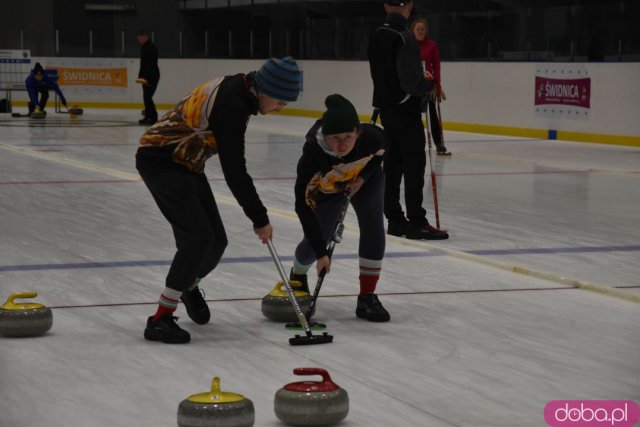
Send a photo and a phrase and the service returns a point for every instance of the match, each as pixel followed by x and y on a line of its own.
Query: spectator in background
pixel 430 56
pixel 148 76
pixel 38 83
pixel 399 86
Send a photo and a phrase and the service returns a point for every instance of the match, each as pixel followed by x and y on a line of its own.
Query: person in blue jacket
pixel 38 83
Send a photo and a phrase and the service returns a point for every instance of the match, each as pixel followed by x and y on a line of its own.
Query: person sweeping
pixel 341 154
pixel 171 158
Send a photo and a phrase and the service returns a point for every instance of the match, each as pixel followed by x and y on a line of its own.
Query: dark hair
pixel 38 68
pixel 142 33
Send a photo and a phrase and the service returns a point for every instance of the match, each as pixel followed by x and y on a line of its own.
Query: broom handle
pixel 336 237
pixel 292 295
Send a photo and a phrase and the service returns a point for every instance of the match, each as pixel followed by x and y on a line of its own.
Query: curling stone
pixel 24 319
pixel 76 111
pixel 37 114
pixel 216 409
pixel 276 305
pixel 311 403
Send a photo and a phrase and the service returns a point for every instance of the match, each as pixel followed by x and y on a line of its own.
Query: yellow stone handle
pixel 215 389
pixel 17 295
pixel 10 305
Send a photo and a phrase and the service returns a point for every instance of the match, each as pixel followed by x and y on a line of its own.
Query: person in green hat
pixel 341 154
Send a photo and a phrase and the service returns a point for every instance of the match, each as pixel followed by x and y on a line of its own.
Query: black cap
pixel 397 2
pixel 340 116
pixel 38 68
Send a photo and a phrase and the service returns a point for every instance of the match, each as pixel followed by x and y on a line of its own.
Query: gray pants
pixel 368 203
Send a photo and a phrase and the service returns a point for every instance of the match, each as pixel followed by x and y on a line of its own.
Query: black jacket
pixel 149 62
pixel 322 175
pixel 394 61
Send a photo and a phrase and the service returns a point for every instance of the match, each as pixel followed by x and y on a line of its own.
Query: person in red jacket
pixel 430 55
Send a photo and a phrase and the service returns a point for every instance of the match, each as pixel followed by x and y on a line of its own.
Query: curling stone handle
pixel 17 295
pixel 326 378
pixel 215 387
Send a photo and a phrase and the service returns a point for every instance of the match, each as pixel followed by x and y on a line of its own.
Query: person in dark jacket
pixel 399 91
pixel 171 158
pixel 148 76
pixel 38 83
pixel 342 154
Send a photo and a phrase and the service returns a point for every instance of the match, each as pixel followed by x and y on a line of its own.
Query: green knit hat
pixel 340 116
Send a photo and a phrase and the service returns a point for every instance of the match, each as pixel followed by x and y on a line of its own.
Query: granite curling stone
pixel 38 114
pixel 76 111
pixel 277 306
pixel 24 319
pixel 216 409
pixel 311 403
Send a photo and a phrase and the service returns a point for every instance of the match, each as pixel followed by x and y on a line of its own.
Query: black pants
pixel 368 205
pixel 148 90
pixel 42 103
pixel 186 201
pixel 435 125
pixel 404 157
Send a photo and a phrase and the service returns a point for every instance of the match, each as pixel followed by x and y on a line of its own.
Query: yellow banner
pixel 114 77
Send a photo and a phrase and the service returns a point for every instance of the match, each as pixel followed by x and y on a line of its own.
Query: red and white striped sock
pixel 168 303
pixel 369 275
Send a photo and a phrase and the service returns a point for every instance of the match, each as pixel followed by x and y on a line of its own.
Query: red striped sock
pixel 163 311
pixel 168 303
pixel 369 275
pixel 367 284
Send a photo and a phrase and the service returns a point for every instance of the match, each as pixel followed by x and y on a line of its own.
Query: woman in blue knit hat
pixel 171 158
pixel 341 154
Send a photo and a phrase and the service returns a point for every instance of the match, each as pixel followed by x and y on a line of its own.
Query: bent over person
pixel 171 158
pixel 339 155
pixel 38 85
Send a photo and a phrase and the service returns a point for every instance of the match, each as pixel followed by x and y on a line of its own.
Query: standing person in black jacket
pixel 399 91
pixel 171 158
pixel 341 154
pixel 149 76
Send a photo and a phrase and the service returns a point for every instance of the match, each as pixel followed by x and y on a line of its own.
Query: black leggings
pixel 148 91
pixel 186 201
pixel 368 204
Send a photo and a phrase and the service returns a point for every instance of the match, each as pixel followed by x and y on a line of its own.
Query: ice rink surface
pixel 486 327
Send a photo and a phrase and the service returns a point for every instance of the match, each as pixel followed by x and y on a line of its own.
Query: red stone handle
pixel 326 378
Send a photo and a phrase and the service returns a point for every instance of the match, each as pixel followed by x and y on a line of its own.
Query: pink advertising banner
pixel 568 92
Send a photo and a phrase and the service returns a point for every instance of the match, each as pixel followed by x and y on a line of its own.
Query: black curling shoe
pixel 370 308
pixel 166 330
pixel 196 306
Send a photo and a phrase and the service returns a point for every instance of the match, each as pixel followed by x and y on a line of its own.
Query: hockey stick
pixel 433 175
pixel 336 238
pixel 298 339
